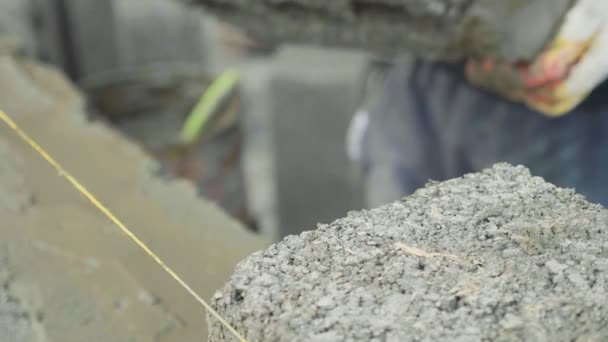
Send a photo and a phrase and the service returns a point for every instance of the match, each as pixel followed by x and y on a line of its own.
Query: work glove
pixel 564 74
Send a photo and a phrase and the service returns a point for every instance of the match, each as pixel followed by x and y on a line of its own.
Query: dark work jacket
pixel 428 123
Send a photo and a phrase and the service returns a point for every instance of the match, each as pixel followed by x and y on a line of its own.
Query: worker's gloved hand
pixel 564 74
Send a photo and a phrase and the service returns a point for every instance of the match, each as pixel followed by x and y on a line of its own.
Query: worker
pixel 435 121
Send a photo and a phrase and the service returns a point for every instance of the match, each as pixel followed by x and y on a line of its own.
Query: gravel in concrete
pixel 495 256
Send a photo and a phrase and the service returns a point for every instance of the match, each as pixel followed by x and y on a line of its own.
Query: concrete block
pixel 301 102
pixel 498 255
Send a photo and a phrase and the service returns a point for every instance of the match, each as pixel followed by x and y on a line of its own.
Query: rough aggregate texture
pixel 17 324
pixel 494 256
pixel 442 29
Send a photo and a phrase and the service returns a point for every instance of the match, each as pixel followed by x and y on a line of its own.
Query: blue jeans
pixel 428 123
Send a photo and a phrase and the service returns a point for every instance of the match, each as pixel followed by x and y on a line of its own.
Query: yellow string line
pixel 115 220
pixel 202 112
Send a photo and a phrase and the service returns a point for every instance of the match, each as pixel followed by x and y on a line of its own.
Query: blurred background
pixel 279 137
pixel 270 142
pixel 260 131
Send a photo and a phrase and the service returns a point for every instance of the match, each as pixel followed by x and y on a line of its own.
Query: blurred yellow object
pixel 208 104
pixel 582 44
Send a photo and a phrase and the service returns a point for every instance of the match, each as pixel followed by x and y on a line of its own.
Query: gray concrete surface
pixel 68 274
pixel 17 321
pixel 446 29
pixel 98 43
pixel 16 324
pixel 495 256
pixel 15 25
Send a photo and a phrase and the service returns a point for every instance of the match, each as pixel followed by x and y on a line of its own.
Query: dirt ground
pixel 67 273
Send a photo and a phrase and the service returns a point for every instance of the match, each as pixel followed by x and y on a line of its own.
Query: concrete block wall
pixel 300 102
